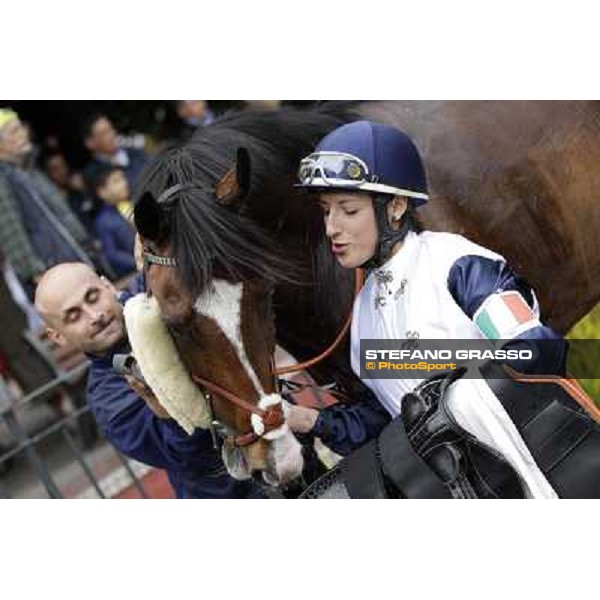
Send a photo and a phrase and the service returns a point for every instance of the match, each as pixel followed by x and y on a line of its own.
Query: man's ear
pixel 56 337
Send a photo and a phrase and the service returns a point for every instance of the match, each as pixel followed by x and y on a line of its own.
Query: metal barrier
pixel 27 444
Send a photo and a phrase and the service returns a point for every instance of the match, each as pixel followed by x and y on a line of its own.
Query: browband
pixel 176 189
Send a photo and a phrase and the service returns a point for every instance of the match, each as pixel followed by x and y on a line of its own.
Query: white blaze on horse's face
pixel 222 304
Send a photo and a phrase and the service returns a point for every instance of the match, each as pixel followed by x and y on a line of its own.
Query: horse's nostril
pixel 178 326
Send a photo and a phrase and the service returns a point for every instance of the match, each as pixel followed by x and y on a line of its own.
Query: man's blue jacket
pixel 194 467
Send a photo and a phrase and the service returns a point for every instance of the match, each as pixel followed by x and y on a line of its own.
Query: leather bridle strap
pixel 272 416
pixel 358 283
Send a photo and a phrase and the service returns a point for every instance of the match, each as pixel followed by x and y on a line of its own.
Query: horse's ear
pixel 235 185
pixel 147 217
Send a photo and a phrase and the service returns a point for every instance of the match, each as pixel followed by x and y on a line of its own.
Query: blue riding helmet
pixel 368 157
pixel 373 158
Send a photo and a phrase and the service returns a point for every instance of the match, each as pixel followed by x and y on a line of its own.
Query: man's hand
pixel 301 419
pixel 144 392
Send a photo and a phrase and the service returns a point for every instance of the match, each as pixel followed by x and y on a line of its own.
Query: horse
pixel 237 261
pixel 519 177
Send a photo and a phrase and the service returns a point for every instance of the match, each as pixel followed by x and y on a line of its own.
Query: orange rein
pixel 359 279
pixel 568 384
pixel 273 416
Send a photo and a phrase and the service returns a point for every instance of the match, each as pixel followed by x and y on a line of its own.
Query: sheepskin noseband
pixel 161 366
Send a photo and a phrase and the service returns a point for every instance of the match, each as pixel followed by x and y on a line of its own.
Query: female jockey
pixel 369 180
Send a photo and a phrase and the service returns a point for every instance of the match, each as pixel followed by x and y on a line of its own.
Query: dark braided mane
pixel 268 237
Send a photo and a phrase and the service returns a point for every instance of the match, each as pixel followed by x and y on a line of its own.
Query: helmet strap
pixel 388 236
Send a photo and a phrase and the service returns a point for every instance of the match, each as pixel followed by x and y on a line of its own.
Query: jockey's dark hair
pixel 412 218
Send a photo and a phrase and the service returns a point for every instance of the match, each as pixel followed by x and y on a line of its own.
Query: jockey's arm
pixel 504 307
pixel 342 427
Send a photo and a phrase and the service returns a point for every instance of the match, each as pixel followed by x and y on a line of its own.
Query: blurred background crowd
pixel 67 170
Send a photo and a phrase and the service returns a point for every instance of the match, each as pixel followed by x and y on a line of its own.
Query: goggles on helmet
pixel 333 168
pixel 341 170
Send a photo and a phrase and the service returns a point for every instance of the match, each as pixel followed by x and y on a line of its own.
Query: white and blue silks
pixel 435 287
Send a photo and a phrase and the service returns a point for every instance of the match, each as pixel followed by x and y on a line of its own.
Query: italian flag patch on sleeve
pixel 505 315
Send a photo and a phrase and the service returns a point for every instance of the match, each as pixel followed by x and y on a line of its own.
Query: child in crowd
pixel 113 222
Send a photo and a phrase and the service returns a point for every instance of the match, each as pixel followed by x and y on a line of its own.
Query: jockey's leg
pixel 477 409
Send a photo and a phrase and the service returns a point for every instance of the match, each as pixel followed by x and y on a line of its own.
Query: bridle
pixel 272 416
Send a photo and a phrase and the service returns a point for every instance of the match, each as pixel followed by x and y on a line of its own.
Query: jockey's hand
pixel 300 418
pixel 144 392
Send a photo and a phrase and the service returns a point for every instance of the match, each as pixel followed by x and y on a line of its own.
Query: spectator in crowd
pixel 37 228
pixel 18 317
pixel 101 140
pixel 112 224
pixel 192 115
pixel 72 188
pixel 82 309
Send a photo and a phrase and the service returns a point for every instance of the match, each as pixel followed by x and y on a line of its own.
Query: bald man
pixel 84 310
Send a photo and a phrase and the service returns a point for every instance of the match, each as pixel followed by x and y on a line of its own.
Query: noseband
pixel 161 261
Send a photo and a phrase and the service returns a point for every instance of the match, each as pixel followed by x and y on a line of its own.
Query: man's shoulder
pixel 5 170
pixel 137 154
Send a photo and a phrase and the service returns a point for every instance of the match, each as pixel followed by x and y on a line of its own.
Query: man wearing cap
pixel 37 229
pixel 84 310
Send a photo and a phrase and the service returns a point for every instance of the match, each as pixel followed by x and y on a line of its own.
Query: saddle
pixel 425 453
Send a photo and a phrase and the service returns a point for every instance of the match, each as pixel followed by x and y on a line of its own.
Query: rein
pixel 359 279
pixel 273 416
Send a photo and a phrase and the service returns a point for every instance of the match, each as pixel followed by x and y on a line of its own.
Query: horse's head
pixel 211 272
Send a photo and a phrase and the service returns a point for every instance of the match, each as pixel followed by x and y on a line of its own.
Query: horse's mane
pixel 275 235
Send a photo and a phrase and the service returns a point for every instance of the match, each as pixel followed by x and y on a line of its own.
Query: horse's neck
pixel 230 306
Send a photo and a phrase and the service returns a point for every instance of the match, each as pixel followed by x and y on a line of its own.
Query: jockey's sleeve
pixel 503 307
pixel 136 431
pixel 345 427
